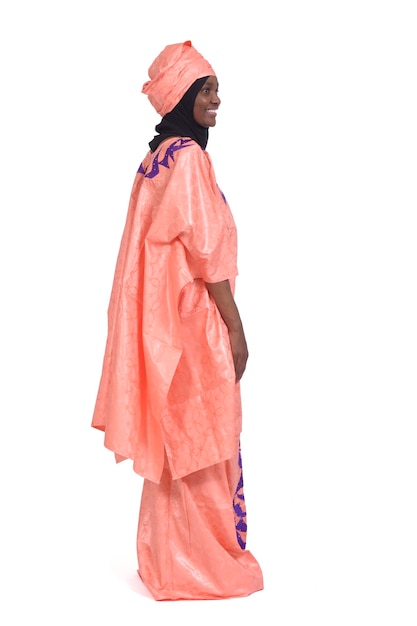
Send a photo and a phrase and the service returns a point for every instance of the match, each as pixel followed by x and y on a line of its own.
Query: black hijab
pixel 180 121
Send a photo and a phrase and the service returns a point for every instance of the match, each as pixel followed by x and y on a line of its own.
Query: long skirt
pixel 191 540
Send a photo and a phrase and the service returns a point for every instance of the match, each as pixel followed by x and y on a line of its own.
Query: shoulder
pixel 176 154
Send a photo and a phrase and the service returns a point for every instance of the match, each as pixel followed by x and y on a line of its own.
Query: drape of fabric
pixel 168 381
pixel 189 540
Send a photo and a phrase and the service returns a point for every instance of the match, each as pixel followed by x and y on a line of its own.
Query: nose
pixel 215 98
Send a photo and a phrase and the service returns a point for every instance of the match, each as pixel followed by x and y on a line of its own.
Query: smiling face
pixel 206 103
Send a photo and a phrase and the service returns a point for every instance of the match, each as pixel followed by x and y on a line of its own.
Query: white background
pixel 315 148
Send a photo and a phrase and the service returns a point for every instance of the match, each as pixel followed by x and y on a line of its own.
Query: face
pixel 206 103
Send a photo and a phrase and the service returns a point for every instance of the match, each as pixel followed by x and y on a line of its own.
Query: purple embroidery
pixel 240 509
pixel 178 144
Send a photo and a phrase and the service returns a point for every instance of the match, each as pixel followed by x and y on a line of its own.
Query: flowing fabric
pixel 190 538
pixel 168 380
pixel 167 397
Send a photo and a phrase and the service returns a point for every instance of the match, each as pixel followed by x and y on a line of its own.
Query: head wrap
pixel 173 71
pixel 180 121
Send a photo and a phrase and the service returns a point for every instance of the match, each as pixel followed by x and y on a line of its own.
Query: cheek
pixel 198 112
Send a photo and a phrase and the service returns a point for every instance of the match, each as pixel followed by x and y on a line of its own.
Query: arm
pixel 223 297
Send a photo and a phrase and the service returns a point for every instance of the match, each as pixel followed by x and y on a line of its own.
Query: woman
pixel 169 395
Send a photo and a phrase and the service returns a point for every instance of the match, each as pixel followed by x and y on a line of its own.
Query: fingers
pixel 239 352
pixel 240 366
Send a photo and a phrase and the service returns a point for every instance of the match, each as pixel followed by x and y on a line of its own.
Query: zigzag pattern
pixel 178 144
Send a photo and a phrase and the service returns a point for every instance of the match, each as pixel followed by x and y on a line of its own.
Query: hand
pixel 223 297
pixel 239 351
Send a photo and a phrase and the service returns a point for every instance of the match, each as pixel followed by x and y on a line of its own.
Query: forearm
pixel 225 302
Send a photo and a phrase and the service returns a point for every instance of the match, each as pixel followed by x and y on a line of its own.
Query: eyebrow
pixel 210 83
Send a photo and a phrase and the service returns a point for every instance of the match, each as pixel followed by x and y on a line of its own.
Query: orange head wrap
pixel 174 70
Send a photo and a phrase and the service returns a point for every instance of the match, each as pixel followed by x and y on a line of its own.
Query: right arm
pixel 223 297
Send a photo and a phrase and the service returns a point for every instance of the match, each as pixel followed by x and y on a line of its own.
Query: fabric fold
pixel 162 324
pixel 187 541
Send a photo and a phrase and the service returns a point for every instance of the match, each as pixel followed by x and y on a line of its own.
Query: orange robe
pixel 168 378
pixel 186 542
pixel 167 397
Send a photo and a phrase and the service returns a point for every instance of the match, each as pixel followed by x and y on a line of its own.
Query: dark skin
pixel 206 103
pixel 223 297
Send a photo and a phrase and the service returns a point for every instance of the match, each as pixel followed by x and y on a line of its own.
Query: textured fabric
pixel 172 72
pixel 187 541
pixel 168 380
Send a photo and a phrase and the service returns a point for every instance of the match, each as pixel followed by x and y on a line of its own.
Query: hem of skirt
pixel 167 595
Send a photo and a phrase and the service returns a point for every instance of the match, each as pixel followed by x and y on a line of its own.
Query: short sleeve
pixel 209 235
